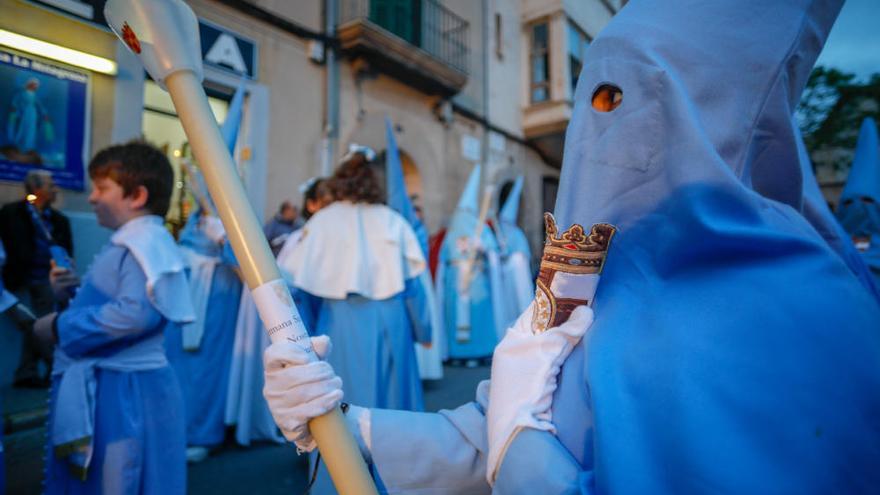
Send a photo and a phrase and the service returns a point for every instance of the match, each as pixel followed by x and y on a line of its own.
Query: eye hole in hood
pixel 607 97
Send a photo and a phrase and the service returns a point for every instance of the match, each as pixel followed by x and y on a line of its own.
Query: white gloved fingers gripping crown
pixel 164 34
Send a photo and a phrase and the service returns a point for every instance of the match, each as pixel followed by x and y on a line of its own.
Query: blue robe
pixel 373 344
pixel 204 373
pixel 139 430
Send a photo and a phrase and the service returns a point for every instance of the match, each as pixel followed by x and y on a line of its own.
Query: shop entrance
pixel 161 127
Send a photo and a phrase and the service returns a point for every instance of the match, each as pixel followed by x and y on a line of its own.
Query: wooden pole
pixel 271 295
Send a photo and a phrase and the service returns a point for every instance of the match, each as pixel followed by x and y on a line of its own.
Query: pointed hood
pixel 859 210
pixel 464 219
pixel 510 210
pixel 398 197
pixel 864 174
pixel 716 289
pixel 512 238
pixel 232 124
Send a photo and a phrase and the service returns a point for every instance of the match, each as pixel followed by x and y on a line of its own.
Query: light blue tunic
pixel 204 373
pixel 139 431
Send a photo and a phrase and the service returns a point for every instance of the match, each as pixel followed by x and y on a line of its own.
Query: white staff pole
pixel 164 34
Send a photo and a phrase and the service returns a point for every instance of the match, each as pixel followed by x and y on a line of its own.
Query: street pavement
pixel 264 468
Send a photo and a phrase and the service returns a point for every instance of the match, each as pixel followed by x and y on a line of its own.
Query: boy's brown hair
pixel 133 164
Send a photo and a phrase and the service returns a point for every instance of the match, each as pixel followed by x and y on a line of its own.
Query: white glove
pixel 298 389
pixel 524 371
pixel 213 229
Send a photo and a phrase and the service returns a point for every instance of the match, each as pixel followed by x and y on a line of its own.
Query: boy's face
pixel 111 206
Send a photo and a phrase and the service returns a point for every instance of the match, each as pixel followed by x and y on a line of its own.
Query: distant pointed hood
pixel 398 197
pixel 859 210
pixel 510 210
pixel 864 175
pixel 230 127
pixel 511 237
pixel 464 217
pixel 464 220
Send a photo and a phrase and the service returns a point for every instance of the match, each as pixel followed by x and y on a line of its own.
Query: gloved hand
pixel 213 228
pixel 524 376
pixel 298 390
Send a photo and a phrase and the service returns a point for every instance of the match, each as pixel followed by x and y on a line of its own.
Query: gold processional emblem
pixel 566 259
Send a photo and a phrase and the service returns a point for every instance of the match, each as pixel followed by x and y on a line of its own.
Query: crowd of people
pixel 700 320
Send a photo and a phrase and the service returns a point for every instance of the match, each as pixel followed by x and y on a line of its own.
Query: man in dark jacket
pixel 28 228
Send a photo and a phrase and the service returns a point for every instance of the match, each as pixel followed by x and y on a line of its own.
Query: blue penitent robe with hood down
pixel 733 349
pixel 127 414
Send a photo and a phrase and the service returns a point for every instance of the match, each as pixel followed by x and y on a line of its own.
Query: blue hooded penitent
pixel 815 210
pixel 476 309
pixel 398 199
pixel 732 347
pixel 859 210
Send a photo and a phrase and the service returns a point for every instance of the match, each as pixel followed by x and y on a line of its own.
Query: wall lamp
pixel 59 53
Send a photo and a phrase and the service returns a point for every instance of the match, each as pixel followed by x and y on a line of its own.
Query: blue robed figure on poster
pixel 859 209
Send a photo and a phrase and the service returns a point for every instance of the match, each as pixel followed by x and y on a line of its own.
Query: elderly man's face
pixel 46 193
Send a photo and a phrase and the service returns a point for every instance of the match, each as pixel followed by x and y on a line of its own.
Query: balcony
pixel 419 42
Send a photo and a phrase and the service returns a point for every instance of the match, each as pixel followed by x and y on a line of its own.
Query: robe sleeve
pixel 129 315
pixel 430 453
pixel 536 462
pixel 417 309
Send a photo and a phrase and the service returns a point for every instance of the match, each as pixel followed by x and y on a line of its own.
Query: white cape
pixel 332 264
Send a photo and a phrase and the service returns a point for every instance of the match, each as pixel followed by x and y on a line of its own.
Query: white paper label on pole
pixel 279 314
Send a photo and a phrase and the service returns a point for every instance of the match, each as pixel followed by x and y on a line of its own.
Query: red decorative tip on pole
pixel 130 39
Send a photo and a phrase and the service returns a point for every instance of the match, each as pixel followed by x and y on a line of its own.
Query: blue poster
pixel 43 119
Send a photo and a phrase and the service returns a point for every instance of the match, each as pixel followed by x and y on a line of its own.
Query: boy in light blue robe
pixel 471 314
pixel 201 352
pixel 859 210
pixel 731 346
pixel 116 417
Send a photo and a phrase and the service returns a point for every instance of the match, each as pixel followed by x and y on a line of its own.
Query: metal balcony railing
pixel 426 24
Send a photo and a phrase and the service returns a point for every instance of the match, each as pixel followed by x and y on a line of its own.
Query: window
pixel 540 63
pixel 577 47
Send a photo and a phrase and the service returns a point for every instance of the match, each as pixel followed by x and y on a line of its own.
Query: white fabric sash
pixel 201 275
pixel 159 257
pixel 355 248
pixel 73 423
